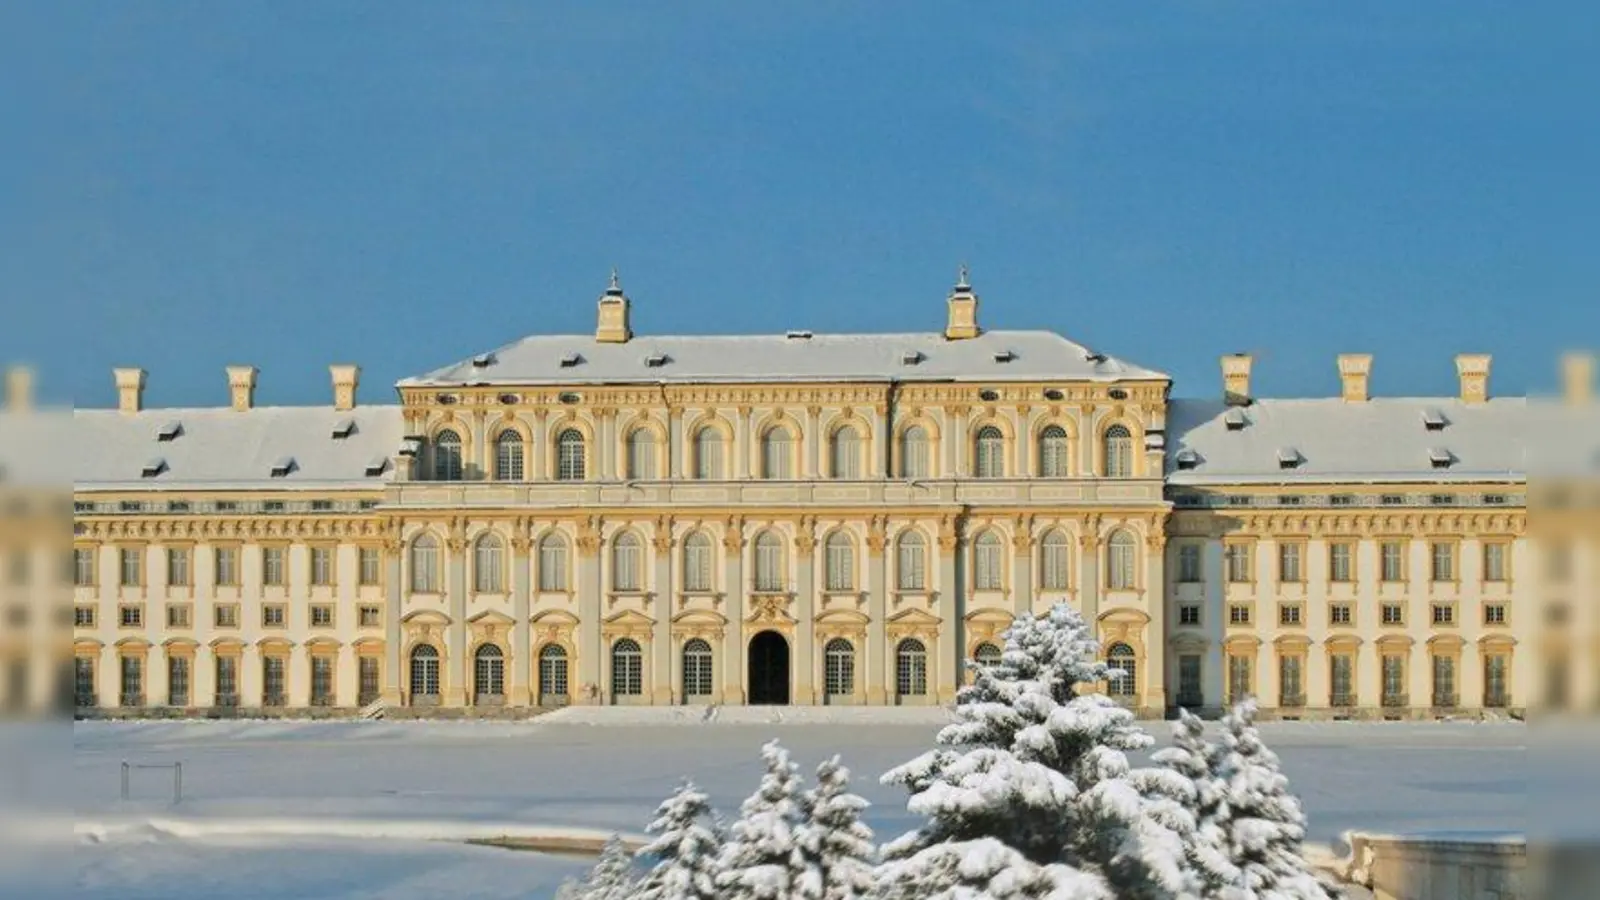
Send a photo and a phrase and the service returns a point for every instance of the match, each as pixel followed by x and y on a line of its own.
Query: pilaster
pixel 457 687
pixel 952 608
pixel 804 664
pixel 878 656
pixel 664 689
pixel 733 673
pixel 392 641
pixel 1155 637
pixel 521 661
pixel 591 645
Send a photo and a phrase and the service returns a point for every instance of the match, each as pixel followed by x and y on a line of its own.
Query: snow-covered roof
pixel 1329 439
pixel 282 448
pixel 796 356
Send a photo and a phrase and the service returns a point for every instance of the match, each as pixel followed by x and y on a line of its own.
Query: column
pixel 457 687
pixel 804 664
pixel 541 448
pixel 810 443
pixel 1155 583
pixel 953 611
pixel 591 646
pixel 877 654
pixel 733 583
pixel 1089 572
pixel 664 689
pixel 521 662
pixel 1022 571
pixel 1214 617
pixel 392 649
pixel 741 446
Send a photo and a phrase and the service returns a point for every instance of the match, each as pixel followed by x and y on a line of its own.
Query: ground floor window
pixel 1444 682
pixel 1190 686
pixel 839 668
pixel 321 681
pixel 132 681
pixel 627 669
pixel 1124 681
pixel 553 674
pixel 83 681
pixel 1341 680
pixel 424 673
pixel 1291 687
pixel 273 692
pixel 489 672
pixel 367 674
pixel 1241 683
pixel 178 681
pixel 1394 680
pixel 697 668
pixel 911 668
pixel 227 681
pixel 1495 694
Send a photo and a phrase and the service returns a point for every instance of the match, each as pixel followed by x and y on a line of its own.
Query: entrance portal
pixel 769 670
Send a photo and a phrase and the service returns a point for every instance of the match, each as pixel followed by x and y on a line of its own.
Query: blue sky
pixel 187 185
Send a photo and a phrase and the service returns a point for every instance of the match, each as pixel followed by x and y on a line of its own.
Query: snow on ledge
pixel 747 715
pixel 96 831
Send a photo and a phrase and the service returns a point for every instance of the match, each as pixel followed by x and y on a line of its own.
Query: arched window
pixel 424 673
pixel 1053 452
pixel 425 565
pixel 447 456
pixel 488 565
pixel 1119 452
pixel 552 563
pixel 911 562
pixel 839 668
pixel 769 563
pixel 708 454
pixel 988 562
pixel 627 563
pixel 840 559
pixel 1055 555
pixel 1119 657
pixel 552 675
pixel 570 455
pixel 844 454
pixel 777 453
pixel 989 453
pixel 698 559
pixel 914 453
pixel 1120 562
pixel 627 668
pixel 696 669
pixel 488 673
pixel 911 668
pixel 642 454
pixel 986 655
pixel 508 456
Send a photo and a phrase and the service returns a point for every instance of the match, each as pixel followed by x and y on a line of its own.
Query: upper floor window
pixel 642 454
pixel 777 453
pixel 1055 553
pixel 627 563
pixel 911 562
pixel 508 456
pixel 914 453
pixel 1053 452
pixel 552 563
pixel 989 448
pixel 708 453
pixel 425 565
pixel 447 456
pixel 1119 452
pixel 1120 561
pixel 698 557
pixel 844 454
pixel 769 562
pixel 988 562
pixel 488 565
pixel 1189 563
pixel 570 455
pixel 840 558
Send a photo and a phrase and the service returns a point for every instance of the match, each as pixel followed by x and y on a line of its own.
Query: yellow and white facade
pixel 806 519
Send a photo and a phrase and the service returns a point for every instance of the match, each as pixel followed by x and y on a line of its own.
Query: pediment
pixel 178 643
pixel 630 618
pixel 991 615
pixel 554 617
pixel 843 617
pixel 425 617
pixel 700 617
pixel 322 643
pixel 915 618
pixel 492 617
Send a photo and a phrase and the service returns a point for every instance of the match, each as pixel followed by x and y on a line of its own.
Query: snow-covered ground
pixel 378 809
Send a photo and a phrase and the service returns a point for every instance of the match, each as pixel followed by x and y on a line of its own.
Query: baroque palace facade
pixel 806 519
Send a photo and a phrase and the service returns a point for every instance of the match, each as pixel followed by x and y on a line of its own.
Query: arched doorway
pixel 769 670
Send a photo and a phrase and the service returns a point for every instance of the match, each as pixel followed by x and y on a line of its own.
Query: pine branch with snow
pixel 763 859
pixel 983 869
pixel 612 878
pixel 1187 794
pixel 836 845
pixel 684 849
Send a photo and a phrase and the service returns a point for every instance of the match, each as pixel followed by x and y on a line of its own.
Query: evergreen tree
pixel 836 845
pixel 1037 762
pixel 762 860
pixel 1185 775
pixel 612 878
pixel 1260 821
pixel 684 849
pixel 983 869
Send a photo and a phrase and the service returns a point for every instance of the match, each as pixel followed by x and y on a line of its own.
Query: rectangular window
pixel 83 681
pixel 1341 562
pixel 1189 614
pixel 1494 614
pixel 1241 681
pixel 1394 561
pixel 1291 691
pixel 1444 682
pixel 82 566
pixel 322 506
pixel 367 672
pixel 272 615
pixel 1393 613
pixel 322 615
pixel 83 615
pixel 130 615
pixel 1238 614
pixel 132 567
pixel 1495 694
pixel 272 689
pixel 1339 614
pixel 1341 680
pixel 322 566
pixel 1394 680
pixel 1237 558
pixel 1190 691
pixel 1290 613
pixel 1444 613
pixel 321 681
pixel 177 567
pixel 178 681
pixel 227 615
pixel 371 566
pixel 227 681
pixel 1494 562
pixel 370 615
pixel 1444 561
pixel 1289 569
pixel 552 564
pixel 272 567
pixel 178 615
pixel 227 566
pixel 1189 563
pixel 132 681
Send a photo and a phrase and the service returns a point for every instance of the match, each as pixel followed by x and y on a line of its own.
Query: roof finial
pixel 616 282
pixel 961 279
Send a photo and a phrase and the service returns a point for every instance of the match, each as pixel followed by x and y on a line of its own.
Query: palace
pixel 806 519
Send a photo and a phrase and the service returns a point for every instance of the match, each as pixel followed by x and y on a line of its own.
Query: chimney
pixel 242 386
pixel 1473 369
pixel 963 319
pixel 613 327
pixel 1354 371
pixel 345 380
pixel 1236 379
pixel 130 389
pixel 19 389
pixel 1577 371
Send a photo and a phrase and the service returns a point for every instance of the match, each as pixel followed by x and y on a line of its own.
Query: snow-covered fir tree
pixel 983 869
pixel 762 860
pixel 836 845
pixel 684 850
pixel 1185 774
pixel 612 878
pixel 1037 761
pixel 1260 821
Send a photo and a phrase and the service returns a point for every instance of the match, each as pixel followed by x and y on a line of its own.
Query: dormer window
pixel 1289 458
pixel 1235 419
pixel 1004 356
pixel 283 467
pixel 343 429
pixel 1096 358
pixel 656 360
pixel 798 335
pixel 988 395
pixel 1155 440
pixel 446 399
pixel 911 357
pixel 153 468
pixel 169 431
pixel 570 360
pixel 376 466
pixel 1440 457
pixel 1433 419
pixel 1187 459
pixel 483 361
pixel 411 446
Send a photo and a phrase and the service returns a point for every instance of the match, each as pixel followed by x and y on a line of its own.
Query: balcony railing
pixel 1446 701
pixel 1396 701
pixel 1342 699
pixel 1497 700
pixel 1292 701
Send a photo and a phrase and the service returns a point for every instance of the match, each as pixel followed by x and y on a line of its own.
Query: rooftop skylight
pixel 483 360
pixel 911 357
pixel 1235 419
pixel 343 429
pixel 1187 459
pixel 1440 457
pixel 1289 458
pixel 169 431
pixel 1004 356
pixel 153 467
pixel 376 466
pixel 570 360
pixel 283 466
pixel 1433 419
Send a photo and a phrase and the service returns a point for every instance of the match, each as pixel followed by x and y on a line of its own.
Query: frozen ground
pixel 374 809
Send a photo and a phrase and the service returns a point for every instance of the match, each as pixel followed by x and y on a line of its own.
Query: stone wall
pixel 1423 867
